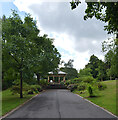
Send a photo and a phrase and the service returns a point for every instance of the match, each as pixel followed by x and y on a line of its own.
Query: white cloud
pixel 74 38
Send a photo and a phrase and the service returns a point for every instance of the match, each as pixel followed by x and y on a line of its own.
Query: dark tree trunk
pixel 38 78
pixel 2 76
pixel 21 84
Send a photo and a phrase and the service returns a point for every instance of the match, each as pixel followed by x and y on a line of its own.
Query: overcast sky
pixel 74 37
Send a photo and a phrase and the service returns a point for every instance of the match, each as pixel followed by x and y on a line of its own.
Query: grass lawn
pixel 106 98
pixel 10 101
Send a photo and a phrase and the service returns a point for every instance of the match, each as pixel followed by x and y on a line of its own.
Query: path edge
pixel 19 106
pixel 98 106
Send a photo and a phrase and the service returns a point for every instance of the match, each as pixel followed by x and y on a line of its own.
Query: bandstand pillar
pixel 64 78
pixel 53 78
pixel 48 79
pixel 59 79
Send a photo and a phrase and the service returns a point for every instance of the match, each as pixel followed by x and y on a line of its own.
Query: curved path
pixel 59 103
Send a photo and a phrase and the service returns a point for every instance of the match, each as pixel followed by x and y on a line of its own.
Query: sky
pixel 74 37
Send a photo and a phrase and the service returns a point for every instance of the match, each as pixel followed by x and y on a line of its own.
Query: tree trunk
pixel 38 78
pixel 21 84
pixel 2 76
pixel 110 78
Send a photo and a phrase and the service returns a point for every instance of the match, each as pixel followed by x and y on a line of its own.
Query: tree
pixel 111 56
pixel 84 72
pixel 69 64
pixel 93 65
pixel 106 12
pixel 49 57
pixel 68 68
pixel 28 53
pixel 102 75
pixel 17 41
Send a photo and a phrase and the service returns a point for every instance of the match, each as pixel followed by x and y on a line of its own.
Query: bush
pixel 62 82
pixel 101 86
pixel 44 82
pixel 72 87
pixel 36 88
pixel 30 92
pixel 67 82
pixel 90 91
pixel 15 89
pixel 81 86
pixel 88 79
pixel 27 89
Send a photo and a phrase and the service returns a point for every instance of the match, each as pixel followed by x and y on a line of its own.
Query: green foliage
pixel 25 52
pixel 85 72
pixel 90 90
pixel 43 82
pixel 96 9
pixel 101 86
pixel 10 102
pixel 106 12
pixel 62 82
pixel 111 56
pixel 67 82
pixel 82 86
pixel 88 79
pixel 68 68
pixel 34 89
pixel 72 87
pixel 105 98
pixel 93 65
pixel 27 89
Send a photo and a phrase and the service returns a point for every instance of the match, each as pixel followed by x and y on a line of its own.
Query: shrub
pixel 27 89
pixel 101 86
pixel 15 89
pixel 30 92
pixel 62 82
pixel 77 80
pixel 36 88
pixel 88 79
pixel 67 82
pixel 43 82
pixel 81 86
pixel 72 87
pixel 90 91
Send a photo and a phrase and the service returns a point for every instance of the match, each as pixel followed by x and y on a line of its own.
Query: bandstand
pixel 57 77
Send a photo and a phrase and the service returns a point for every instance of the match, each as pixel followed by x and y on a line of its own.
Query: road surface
pixel 59 103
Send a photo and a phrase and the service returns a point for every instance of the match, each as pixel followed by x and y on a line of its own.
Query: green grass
pixel 106 98
pixel 10 101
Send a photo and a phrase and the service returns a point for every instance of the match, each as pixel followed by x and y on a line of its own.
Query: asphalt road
pixel 59 103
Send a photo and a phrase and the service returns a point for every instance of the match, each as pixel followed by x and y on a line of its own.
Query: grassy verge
pixel 106 98
pixel 10 101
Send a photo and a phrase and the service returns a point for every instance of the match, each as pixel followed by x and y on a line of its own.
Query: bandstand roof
pixel 59 72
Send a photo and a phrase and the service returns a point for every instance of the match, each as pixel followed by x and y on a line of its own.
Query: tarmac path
pixel 59 103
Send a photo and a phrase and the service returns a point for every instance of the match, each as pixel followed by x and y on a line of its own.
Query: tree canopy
pixel 106 12
pixel 25 52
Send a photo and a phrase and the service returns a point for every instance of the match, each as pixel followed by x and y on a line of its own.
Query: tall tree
pixel 49 57
pixel 93 65
pixel 68 68
pixel 17 40
pixel 111 56
pixel 106 12
pixel 28 53
pixel 85 72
